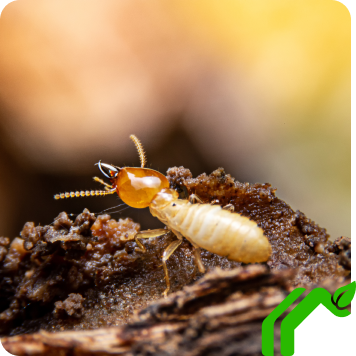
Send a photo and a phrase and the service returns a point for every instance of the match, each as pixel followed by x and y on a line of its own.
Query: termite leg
pixel 198 260
pixel 166 254
pixel 229 207
pixel 146 234
pixel 107 186
pixel 194 199
pixel 141 247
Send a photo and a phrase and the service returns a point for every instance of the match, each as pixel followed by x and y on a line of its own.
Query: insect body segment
pixel 213 228
pixel 137 186
pixel 207 226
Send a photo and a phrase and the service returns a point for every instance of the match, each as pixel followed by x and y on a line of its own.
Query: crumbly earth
pixel 88 273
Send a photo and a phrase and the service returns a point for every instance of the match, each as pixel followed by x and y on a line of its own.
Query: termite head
pixel 136 186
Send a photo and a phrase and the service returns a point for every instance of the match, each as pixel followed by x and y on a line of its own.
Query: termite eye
pixel 108 170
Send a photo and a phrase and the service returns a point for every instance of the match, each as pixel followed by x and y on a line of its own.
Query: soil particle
pixel 72 306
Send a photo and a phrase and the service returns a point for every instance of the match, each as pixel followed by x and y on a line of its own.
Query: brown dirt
pixel 87 274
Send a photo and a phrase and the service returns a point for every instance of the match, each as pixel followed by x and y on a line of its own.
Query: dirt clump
pixel 72 306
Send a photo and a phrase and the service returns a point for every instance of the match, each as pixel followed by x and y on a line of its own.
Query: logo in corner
pixel 336 304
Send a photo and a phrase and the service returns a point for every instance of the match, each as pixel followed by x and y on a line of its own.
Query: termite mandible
pixel 216 229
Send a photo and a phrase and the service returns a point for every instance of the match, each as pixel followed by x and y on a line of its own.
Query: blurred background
pixel 261 88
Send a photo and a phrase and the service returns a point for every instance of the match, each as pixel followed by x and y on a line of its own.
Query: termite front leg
pixel 107 186
pixel 166 254
pixel 146 234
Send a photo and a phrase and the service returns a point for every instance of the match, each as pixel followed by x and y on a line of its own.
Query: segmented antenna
pixel 83 193
pixel 140 150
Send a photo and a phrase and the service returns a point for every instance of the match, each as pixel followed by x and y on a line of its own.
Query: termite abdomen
pixel 214 229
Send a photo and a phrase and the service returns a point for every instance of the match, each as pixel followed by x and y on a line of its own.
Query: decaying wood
pixel 221 314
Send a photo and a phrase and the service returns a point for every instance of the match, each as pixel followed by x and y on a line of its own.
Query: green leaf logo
pixel 344 295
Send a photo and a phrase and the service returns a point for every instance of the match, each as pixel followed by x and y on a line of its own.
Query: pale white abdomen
pixel 216 230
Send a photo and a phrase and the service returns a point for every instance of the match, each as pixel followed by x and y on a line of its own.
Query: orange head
pixel 135 186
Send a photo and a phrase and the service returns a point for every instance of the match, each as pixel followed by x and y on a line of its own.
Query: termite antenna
pixel 140 150
pixel 84 193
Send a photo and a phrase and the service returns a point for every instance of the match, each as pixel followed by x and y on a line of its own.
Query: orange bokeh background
pixel 261 88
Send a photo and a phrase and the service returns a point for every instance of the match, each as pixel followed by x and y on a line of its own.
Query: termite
pixel 216 229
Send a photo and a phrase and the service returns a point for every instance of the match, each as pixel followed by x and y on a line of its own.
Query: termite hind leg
pixel 146 234
pixel 196 252
pixel 198 260
pixel 229 207
pixel 197 257
pixel 193 198
pixel 166 254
